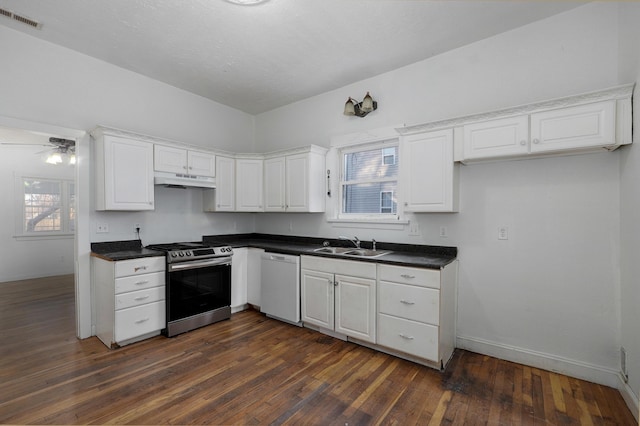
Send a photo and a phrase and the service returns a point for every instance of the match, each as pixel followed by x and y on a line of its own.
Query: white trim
pixel 632 400
pixel 570 367
pixel 365 136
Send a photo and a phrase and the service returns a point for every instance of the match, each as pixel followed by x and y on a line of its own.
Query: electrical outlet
pixel 503 233
pixel 414 229
pixel 102 228
pixel 290 225
pixel 443 232
pixel 136 227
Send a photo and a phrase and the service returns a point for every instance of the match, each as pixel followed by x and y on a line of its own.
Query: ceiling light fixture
pixel 247 2
pixel 360 109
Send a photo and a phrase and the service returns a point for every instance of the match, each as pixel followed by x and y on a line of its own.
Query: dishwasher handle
pixel 279 257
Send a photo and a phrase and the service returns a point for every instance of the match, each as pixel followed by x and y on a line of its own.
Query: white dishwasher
pixel 280 287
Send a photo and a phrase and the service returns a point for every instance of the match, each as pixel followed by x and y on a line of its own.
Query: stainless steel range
pixel 198 285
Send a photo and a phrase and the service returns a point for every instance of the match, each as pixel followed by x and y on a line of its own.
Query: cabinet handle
pixel 404 336
pixel 140 321
pixel 536 140
pixel 190 168
pixel 406 302
pixel 408 276
pixel 406 203
pixel 139 268
pixel 142 297
pixel 523 142
pixel 141 282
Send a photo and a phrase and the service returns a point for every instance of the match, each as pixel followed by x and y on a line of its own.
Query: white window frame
pixel 393 156
pixel 369 217
pixel 383 207
pixel 66 230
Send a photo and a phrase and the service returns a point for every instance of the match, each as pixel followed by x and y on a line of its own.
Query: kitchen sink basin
pixel 346 251
pixel 333 250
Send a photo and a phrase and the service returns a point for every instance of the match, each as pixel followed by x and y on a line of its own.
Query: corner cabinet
pixel 123 172
pixel 429 177
pixel 129 298
pixel 295 182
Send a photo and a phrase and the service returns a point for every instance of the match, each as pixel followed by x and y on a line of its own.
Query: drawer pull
pixel 142 282
pixel 140 321
pixel 408 276
pixel 139 268
pixel 407 302
pixel 404 336
pixel 142 297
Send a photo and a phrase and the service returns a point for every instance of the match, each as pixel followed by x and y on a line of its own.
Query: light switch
pixel 503 233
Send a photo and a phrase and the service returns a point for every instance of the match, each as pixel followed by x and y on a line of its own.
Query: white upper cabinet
pixel 123 172
pixel 571 128
pixel 249 185
pixel 295 182
pixel 428 174
pixel 493 138
pixel 222 199
pixel 179 160
pixel 274 185
pixel 582 123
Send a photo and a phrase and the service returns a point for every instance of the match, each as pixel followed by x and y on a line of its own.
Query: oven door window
pixel 194 291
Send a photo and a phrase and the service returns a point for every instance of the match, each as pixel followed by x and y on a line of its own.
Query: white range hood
pixel 183 180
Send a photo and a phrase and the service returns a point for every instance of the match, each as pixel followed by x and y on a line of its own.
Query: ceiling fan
pixel 60 150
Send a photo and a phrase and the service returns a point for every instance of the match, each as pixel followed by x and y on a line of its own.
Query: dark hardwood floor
pixel 255 370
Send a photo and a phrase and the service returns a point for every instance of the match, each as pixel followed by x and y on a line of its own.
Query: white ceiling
pixel 256 58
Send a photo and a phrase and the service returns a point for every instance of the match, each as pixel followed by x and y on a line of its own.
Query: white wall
pixel 43 82
pixel 630 204
pixel 549 295
pixel 25 258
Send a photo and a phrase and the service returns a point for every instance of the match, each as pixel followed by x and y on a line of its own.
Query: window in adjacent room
pixel 46 206
pixel 369 180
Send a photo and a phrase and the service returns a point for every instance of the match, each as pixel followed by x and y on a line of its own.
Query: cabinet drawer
pixel 410 302
pixel 140 297
pixel 133 322
pixel 408 336
pixel 142 265
pixel 406 275
pixel 139 282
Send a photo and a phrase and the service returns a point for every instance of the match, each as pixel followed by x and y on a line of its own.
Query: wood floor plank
pixel 254 370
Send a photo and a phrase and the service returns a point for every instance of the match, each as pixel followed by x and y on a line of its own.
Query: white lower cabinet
pixel 416 311
pixel 130 299
pixel 339 296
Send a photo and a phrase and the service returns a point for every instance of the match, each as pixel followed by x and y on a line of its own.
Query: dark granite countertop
pixel 122 250
pixel 416 255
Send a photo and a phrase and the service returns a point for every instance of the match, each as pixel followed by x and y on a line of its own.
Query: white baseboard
pixel 581 370
pixel 632 400
pixel 570 367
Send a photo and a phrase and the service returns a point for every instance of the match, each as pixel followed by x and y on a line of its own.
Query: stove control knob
pixel 174 254
pixel 188 253
pixel 181 254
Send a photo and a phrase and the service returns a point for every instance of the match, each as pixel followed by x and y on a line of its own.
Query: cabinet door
pixel 128 175
pixel 317 289
pixel 576 127
pixel 201 163
pixel 249 185
pixel 427 172
pixel 274 185
pixel 355 307
pixel 297 188
pixel 497 138
pixel 169 159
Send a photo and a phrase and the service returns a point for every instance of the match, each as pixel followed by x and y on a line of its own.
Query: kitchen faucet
pixel 355 241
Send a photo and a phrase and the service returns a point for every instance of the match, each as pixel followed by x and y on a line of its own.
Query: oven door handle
pixel 221 261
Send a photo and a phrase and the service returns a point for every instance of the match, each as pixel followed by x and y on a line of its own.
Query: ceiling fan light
pixel 349 108
pixel 54 158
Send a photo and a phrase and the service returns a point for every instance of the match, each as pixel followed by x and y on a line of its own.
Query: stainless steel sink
pixel 333 250
pixel 346 251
